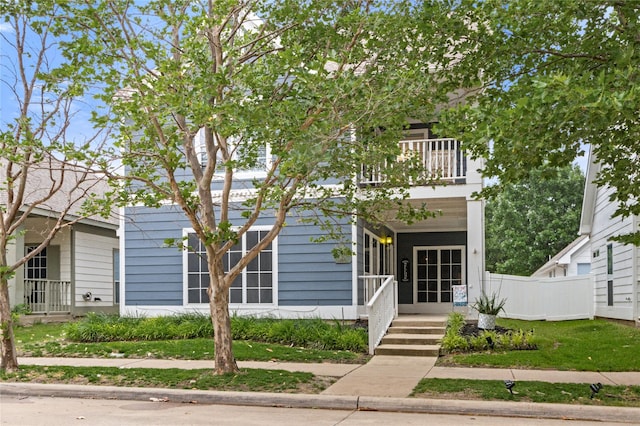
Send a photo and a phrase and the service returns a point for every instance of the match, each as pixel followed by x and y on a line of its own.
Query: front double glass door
pixel 436 271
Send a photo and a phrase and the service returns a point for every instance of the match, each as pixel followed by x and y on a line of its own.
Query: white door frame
pixel 433 307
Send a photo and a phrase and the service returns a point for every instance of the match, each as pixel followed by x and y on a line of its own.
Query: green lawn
pixel 246 380
pixel 582 345
pixel 562 393
pixel 49 340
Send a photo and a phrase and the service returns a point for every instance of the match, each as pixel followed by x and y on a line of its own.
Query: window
pixel 254 285
pixel 258 154
pixel 116 276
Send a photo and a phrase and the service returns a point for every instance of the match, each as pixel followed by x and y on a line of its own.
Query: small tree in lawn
pixel 41 167
pixel 308 92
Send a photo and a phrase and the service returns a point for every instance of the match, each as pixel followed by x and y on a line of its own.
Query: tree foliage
pixel 45 164
pixel 300 95
pixel 529 221
pixel 551 77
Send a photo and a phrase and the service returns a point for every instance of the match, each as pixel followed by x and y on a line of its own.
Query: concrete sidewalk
pixel 384 376
pixel 382 384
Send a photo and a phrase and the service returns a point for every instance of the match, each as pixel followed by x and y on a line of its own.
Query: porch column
pixel 16 284
pixel 475 247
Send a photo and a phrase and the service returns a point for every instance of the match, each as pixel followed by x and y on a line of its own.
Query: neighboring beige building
pixel 77 271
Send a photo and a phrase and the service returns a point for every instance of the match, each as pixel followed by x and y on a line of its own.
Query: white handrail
pixel 381 310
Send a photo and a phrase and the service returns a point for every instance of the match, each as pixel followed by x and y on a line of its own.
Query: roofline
pixel 39 211
pixel 589 196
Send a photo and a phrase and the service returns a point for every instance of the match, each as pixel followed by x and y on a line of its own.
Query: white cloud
pixel 5 27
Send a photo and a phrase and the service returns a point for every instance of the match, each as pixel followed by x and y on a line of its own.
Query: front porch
pixel 47 297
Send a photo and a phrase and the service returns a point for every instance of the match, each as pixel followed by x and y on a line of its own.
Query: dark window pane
pixel 234 258
pixel 204 267
pixel 422 297
pixel 432 272
pixel 422 272
pixel 194 296
pixel 193 281
pixel 422 285
pixel 266 296
pixel 266 280
pixel 266 261
pixel 252 280
pixel 235 295
pixel 445 256
pixel 253 295
pixel 192 263
pixel 433 257
pixel 252 239
pixel 204 297
pixel 193 242
pixel 456 256
pixel 204 280
pixel 445 297
pixel 445 272
pixel 432 297
pixel 433 285
pixel 253 265
pixel 237 282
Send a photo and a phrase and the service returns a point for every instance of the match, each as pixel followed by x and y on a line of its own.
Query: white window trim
pixel 232 306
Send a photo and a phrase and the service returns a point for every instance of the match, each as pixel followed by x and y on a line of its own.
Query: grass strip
pixel 581 345
pixel 253 380
pixel 561 393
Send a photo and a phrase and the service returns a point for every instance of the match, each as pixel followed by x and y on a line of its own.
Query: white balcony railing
pixel 442 160
pixel 47 296
pixel 382 307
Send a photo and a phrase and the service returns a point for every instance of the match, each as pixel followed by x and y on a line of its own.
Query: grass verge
pixel 250 380
pixel 563 393
pixel 44 340
pixel 582 345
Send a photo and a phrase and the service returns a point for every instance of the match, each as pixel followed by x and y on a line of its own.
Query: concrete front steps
pixel 413 335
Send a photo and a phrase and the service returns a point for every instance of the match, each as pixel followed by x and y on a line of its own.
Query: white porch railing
pixel 382 308
pixel 442 159
pixel 47 296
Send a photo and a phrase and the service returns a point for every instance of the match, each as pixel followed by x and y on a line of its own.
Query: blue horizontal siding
pixel 307 272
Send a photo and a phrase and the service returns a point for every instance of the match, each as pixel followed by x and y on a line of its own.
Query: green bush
pixel 313 333
pixel 454 341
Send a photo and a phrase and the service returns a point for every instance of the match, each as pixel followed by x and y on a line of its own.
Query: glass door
pixel 436 271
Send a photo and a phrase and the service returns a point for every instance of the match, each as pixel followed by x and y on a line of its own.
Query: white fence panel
pixel 535 298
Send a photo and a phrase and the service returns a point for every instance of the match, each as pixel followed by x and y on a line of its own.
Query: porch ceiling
pixel 453 217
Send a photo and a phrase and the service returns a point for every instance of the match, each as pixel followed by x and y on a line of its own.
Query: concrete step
pixel 417 322
pixel 408 350
pixel 415 330
pixel 412 339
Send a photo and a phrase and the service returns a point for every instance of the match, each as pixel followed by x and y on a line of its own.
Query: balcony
pixel 442 160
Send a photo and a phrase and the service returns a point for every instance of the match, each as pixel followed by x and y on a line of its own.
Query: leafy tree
pixel 41 165
pixel 533 219
pixel 204 90
pixel 551 76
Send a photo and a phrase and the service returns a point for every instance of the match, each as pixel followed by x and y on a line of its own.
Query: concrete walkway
pixel 382 384
pixel 383 376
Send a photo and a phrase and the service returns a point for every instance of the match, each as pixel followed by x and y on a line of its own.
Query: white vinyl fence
pixel 535 298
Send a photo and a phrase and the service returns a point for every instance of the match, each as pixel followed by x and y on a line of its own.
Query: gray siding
pixel 153 272
pixel 307 272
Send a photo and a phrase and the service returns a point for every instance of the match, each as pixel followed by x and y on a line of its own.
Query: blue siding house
pixel 295 277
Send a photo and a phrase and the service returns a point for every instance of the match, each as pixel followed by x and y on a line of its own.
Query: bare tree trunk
pixel 9 358
pixel 219 306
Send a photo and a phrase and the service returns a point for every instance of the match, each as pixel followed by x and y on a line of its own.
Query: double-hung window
pixel 254 285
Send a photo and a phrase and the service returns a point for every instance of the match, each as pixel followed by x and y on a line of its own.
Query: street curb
pixel 334 402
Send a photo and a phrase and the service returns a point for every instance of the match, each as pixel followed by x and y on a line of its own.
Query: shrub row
pixel 314 333
pixel 454 341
